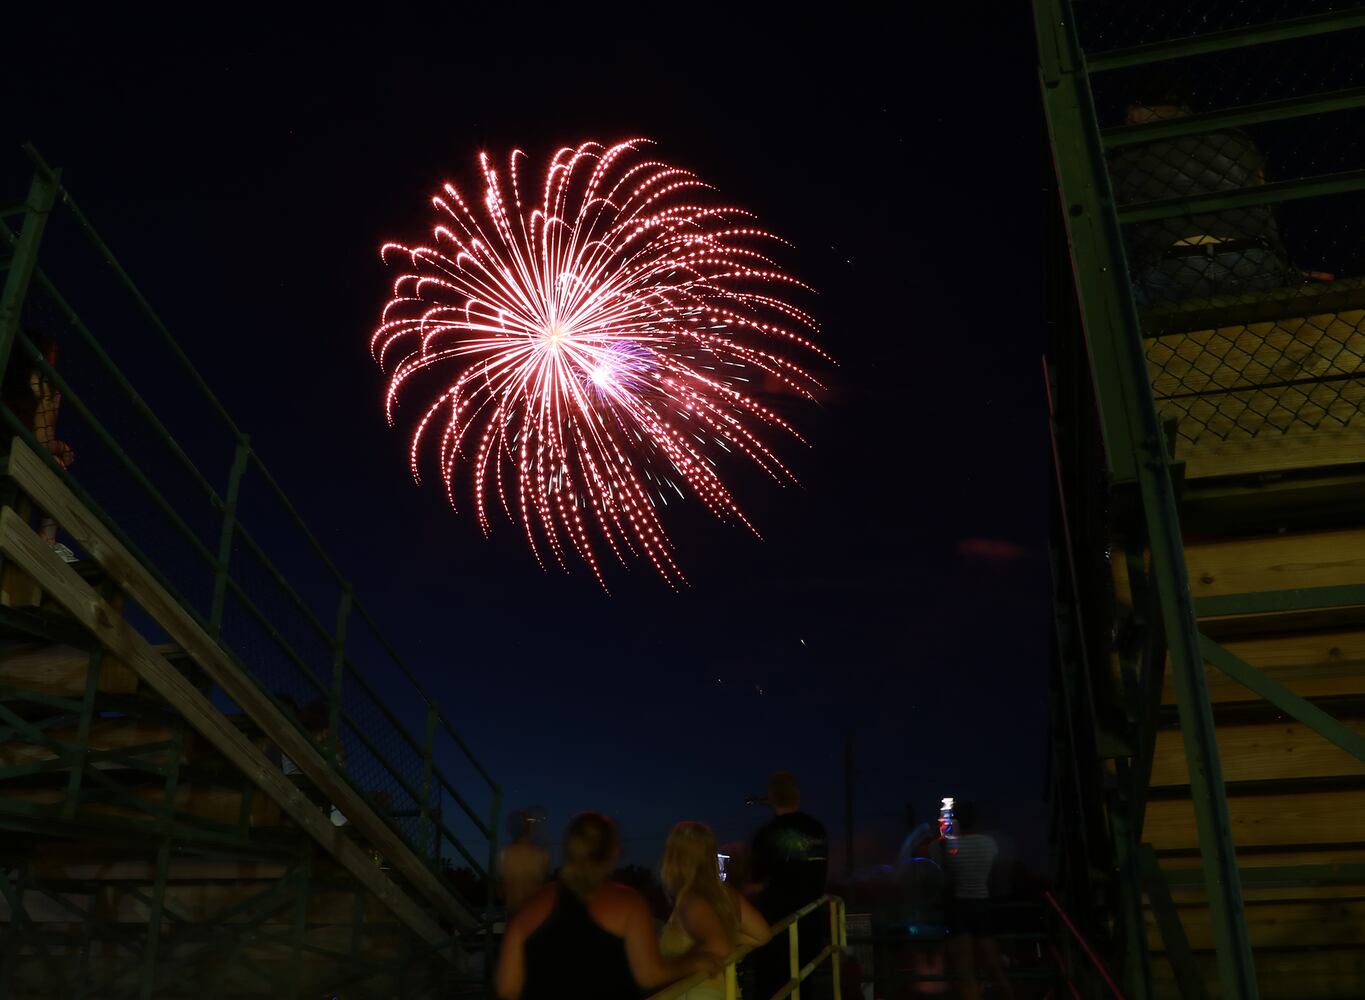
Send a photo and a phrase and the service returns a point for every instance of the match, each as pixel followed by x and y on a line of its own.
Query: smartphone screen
pixel 721 861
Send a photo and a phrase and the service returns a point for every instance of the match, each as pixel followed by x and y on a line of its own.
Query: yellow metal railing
pixel 838 939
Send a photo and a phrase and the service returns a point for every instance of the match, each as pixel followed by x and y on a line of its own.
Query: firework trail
pixel 594 345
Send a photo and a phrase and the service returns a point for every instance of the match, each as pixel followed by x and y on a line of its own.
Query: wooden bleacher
pixel 256 889
pixel 1267 394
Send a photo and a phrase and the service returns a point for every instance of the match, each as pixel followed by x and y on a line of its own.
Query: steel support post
pixel 424 821
pixel 1135 968
pixel 73 786
pixel 1135 444
pixel 9 955
pixel 300 927
pixel 240 457
pixel 338 669
pixel 1178 951
pixel 42 194
pixel 163 864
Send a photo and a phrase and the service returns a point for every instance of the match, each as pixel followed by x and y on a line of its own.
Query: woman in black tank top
pixel 570 947
pixel 584 936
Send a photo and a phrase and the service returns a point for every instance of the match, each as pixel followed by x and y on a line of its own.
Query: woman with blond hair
pixel 708 915
pixel 584 936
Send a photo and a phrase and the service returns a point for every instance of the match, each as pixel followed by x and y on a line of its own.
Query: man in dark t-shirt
pixel 790 859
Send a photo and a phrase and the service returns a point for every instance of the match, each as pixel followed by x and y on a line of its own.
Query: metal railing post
pixel 42 193
pixel 424 817
pixel 837 948
pixel 794 959
pixel 240 457
pixel 338 668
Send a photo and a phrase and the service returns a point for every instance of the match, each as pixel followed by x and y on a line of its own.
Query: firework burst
pixel 596 348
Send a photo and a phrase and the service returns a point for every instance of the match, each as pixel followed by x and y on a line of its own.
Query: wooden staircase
pixel 1265 405
pixel 150 842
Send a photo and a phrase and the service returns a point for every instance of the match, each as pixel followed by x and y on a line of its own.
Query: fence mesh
pixel 1250 285
pixel 103 405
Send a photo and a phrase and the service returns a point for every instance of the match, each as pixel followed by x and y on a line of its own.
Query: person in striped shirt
pixel 969 858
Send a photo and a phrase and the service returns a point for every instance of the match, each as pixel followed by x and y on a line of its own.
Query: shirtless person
pixel 523 865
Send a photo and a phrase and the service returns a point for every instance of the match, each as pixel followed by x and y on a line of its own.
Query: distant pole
pixel 848 799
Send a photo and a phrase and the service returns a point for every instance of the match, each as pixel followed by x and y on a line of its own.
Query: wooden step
pixel 47 668
pixel 1266 752
pixel 1308 974
pixel 207 901
pixel 1290 819
pixel 97 862
pixel 1315 664
pixel 105 734
pixel 1318 923
pixel 221 805
pixel 1254 564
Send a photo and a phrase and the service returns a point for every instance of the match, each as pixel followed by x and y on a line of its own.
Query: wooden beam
pixel 1288 819
pixel 1316 664
pixel 51 668
pixel 1323 447
pixel 50 494
pixel 1297 924
pixel 1257 563
pixel 1271 751
pixel 221 805
pixel 105 734
pixel 19 543
pixel 1327 854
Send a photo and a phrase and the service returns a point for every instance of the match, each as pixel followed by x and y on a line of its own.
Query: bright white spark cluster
pixel 593 350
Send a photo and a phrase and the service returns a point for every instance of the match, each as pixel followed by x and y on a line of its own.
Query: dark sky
pixel 246 174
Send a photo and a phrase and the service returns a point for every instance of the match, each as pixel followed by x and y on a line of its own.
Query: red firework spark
pixel 596 349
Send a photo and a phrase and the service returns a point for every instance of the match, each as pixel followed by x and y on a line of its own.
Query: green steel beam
pixel 1135 445
pixel 1278 601
pixel 1223 41
pixel 1135 967
pixel 431 851
pixel 1086 204
pixel 1285 700
pixel 300 920
pixel 1178 951
pixel 163 864
pixel 1345 182
pixel 241 454
pixel 42 193
pixel 92 680
pixel 338 670
pixel 1251 114
pixel 14 898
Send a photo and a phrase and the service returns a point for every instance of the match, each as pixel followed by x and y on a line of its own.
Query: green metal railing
pixel 797 972
pixel 300 633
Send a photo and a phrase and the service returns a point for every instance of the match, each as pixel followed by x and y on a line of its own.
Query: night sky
pixel 246 174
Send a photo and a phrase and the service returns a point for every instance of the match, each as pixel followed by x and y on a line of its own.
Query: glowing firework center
pixel 595 351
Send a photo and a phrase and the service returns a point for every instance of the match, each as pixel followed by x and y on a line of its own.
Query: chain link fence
pixel 1234 136
pixel 96 381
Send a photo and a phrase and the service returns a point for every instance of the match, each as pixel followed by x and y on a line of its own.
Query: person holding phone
pixel 708 914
